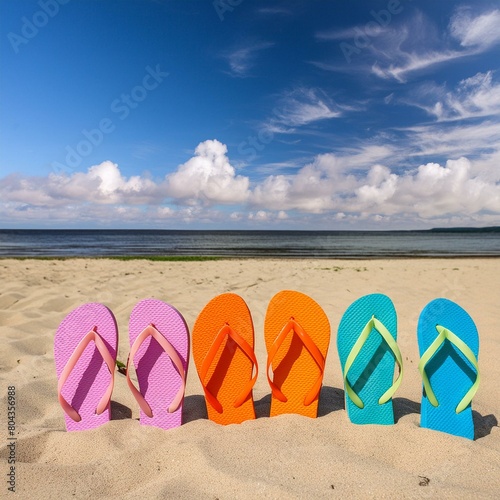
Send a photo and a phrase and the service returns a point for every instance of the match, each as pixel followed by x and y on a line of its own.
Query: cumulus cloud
pixel 112 184
pixel 429 191
pixel 102 184
pixel 208 177
pixel 435 190
pixel 352 186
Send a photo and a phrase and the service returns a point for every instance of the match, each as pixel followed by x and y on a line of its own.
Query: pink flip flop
pixel 85 355
pixel 159 349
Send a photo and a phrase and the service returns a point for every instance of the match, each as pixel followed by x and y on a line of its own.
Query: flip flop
pixel 449 345
pixel 159 350
pixel 223 352
pixel 366 343
pixel 297 334
pixel 85 356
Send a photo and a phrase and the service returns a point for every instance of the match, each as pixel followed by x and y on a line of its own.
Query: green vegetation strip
pixel 157 258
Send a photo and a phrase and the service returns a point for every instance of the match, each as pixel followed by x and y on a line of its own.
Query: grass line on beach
pixel 157 258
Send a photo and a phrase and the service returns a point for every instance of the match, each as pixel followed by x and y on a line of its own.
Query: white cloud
pixel 102 184
pixel 264 216
pixel 355 185
pixel 401 49
pixel 112 184
pixel 380 186
pixel 480 31
pixel 413 46
pixel 475 32
pixel 474 97
pixel 365 155
pixel 436 190
pixel 429 191
pixel 261 215
pixel 410 62
pixel 166 212
pixel 208 177
pixel 306 105
pixel 302 106
pixel 452 140
pixel 243 59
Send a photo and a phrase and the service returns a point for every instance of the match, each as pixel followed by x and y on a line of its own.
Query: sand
pixel 283 457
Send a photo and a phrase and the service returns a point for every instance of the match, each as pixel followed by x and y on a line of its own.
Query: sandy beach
pixel 282 457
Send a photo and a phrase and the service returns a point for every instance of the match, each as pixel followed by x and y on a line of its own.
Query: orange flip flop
pixel 297 334
pixel 223 352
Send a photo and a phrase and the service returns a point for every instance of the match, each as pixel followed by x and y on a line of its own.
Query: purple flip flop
pixel 85 355
pixel 159 350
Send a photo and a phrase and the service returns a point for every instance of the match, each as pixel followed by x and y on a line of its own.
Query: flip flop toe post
pixel 85 347
pixel 449 344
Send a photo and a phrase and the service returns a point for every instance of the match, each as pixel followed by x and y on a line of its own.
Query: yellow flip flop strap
pixel 445 334
pixel 373 323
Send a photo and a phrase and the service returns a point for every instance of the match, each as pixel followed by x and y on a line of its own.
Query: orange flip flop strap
pixel 227 331
pixel 151 331
pixel 313 351
pixel 71 363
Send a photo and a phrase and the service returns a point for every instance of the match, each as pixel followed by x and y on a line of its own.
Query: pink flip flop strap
pixel 313 351
pixel 151 331
pixel 71 363
pixel 227 331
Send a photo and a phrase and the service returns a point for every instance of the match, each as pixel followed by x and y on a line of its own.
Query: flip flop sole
pixel 372 372
pixel 90 377
pixel 231 369
pixel 294 369
pixel 450 373
pixel 158 379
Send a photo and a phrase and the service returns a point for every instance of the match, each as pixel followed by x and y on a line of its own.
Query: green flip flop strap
pixel 356 349
pixel 445 334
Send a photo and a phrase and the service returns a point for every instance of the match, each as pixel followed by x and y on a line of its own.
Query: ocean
pixel 292 244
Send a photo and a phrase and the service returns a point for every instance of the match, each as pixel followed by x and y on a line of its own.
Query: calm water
pixel 338 244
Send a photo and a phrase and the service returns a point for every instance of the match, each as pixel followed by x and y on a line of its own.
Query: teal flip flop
pixel 367 348
pixel 449 345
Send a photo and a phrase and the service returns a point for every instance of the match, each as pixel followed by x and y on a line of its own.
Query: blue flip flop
pixel 367 348
pixel 449 345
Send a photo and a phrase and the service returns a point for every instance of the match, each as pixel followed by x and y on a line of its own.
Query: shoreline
pixel 207 258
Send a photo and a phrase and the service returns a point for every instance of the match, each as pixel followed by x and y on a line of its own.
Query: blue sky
pixel 249 114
